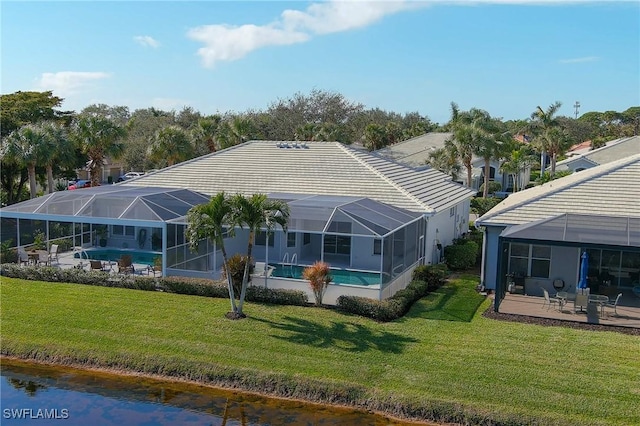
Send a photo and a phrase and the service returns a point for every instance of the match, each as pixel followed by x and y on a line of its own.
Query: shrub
pixel 8 254
pixel 319 277
pixel 193 286
pixel 425 279
pixel 481 205
pixel 462 254
pixel 236 265
pixel 276 296
pixel 493 187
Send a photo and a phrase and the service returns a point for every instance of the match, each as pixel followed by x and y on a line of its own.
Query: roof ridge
pixel 353 153
pixel 569 182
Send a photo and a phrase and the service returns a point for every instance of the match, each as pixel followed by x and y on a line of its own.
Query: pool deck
pixel 67 260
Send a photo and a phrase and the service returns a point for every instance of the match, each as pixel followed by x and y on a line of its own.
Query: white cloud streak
pixel 578 60
pixel 230 43
pixel 67 83
pixel 146 41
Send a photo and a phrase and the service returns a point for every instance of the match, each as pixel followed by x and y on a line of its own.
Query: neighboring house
pixel 415 152
pixel 374 220
pixel 580 158
pixel 540 233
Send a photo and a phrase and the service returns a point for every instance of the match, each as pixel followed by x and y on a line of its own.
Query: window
pixel 127 231
pixel 337 244
pixel 529 260
pixel 261 239
pixel 291 239
pixel 306 238
pixel 377 246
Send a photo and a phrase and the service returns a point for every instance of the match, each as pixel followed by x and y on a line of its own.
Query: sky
pixel 504 56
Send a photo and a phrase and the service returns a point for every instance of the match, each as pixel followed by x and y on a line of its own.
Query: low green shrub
pixel 426 278
pixel 481 205
pixel 177 285
pixel 493 187
pixel 462 254
pixel 277 296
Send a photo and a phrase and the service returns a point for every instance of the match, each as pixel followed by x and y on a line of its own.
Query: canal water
pixel 36 394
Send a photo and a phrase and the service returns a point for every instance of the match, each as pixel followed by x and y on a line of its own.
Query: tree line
pixel 40 142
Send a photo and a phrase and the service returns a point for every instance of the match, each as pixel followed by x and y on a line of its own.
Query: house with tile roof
pixel 540 233
pixel 372 219
pixel 584 158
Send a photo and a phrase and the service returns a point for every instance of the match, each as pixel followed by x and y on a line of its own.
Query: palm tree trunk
pixel 553 164
pixel 49 179
pixel 487 171
pixel 31 168
pixel 468 166
pixel 245 275
pixel 232 296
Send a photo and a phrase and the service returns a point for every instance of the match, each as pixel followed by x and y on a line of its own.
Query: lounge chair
pixel 125 265
pixel 53 253
pixel 97 265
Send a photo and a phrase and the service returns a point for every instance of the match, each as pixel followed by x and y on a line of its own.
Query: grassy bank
pixel 442 361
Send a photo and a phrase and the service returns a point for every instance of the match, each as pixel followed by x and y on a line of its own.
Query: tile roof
pixel 609 189
pixel 612 151
pixel 322 168
pixel 415 151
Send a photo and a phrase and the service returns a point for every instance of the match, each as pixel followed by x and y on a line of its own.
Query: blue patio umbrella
pixel 584 269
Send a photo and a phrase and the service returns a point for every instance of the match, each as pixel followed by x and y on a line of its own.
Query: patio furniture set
pixel 581 300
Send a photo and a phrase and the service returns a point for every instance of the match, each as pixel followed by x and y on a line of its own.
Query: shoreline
pixel 111 372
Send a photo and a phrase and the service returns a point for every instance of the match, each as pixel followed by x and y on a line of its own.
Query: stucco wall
pixel 490 256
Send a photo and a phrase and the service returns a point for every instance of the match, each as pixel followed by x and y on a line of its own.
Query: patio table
pixel 599 299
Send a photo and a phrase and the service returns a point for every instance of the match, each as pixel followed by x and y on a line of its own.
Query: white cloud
pixel 577 60
pixel 230 43
pixel 67 83
pixel 146 41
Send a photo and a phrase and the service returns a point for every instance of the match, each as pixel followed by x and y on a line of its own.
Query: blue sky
pixel 504 56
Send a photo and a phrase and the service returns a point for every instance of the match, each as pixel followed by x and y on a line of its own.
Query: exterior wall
pixel 362 256
pixel 490 256
pixel 565 264
pixel 331 295
pixel 445 227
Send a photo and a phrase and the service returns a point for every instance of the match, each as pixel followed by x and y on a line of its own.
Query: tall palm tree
pixel 490 135
pixel 542 121
pixel 25 147
pixel 207 221
pixel 516 162
pixel 171 144
pixel 462 142
pixel 206 132
pixel 555 141
pixel 58 148
pixel 98 138
pixel 256 212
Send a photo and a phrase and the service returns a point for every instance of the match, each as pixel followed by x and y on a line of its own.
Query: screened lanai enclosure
pixel 104 223
pixel 367 243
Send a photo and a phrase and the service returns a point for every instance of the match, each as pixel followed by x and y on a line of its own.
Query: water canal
pixel 41 394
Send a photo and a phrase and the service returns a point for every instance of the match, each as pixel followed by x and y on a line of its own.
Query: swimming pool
pixel 144 257
pixel 340 276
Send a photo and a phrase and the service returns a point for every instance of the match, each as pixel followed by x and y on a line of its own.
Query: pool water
pixel 144 257
pixel 340 276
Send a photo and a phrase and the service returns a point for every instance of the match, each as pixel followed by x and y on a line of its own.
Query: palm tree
pixel 490 135
pixel 207 221
pixel 256 212
pixel 442 159
pixel 25 147
pixel 543 120
pixel 517 161
pixel 98 138
pixel 57 149
pixel 462 143
pixel 554 141
pixel 171 144
pixel 206 132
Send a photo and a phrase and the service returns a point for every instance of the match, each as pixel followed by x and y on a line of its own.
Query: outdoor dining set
pixel 581 300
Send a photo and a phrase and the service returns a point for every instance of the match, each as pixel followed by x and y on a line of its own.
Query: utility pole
pixel 576 106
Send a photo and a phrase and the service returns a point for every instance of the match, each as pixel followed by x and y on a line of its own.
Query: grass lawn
pixel 443 351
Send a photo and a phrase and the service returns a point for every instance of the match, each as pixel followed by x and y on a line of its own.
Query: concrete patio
pixel 628 310
pixel 66 260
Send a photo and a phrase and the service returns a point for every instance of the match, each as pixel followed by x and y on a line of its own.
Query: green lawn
pixel 442 352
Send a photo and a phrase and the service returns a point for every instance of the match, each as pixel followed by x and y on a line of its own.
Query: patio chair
pixel 125 265
pixel 43 258
pixel 23 256
pixel 548 300
pixel 53 253
pixel 614 304
pixel 97 265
